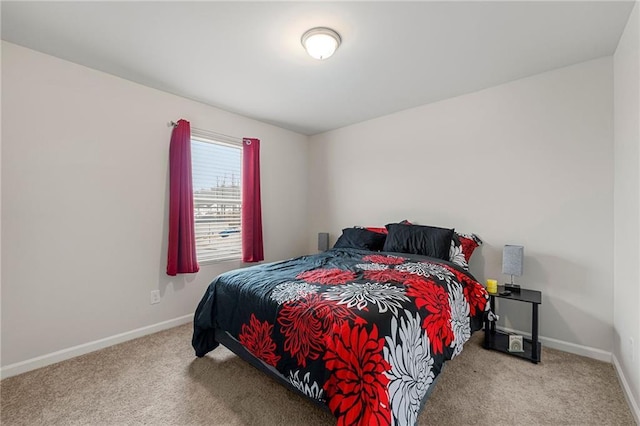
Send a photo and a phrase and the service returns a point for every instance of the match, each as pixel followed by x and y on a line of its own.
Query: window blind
pixel 216 173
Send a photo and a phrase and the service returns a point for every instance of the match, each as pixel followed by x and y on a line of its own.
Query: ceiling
pixel 246 57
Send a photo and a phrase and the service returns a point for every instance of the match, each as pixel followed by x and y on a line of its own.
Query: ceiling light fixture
pixel 321 42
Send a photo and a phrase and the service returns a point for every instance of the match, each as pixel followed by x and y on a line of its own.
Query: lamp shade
pixel 512 260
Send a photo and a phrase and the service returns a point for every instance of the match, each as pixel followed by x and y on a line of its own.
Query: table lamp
pixel 512 260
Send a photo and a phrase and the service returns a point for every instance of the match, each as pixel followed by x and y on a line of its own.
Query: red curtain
pixel 252 250
pixel 181 257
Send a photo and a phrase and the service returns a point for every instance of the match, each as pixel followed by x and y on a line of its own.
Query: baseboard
pixel 561 345
pixel 635 410
pixel 64 354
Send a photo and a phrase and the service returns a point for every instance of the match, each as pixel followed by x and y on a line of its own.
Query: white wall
pixel 84 202
pixel 626 300
pixel 529 162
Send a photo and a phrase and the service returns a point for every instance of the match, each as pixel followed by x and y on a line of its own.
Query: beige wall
pixel 529 162
pixel 84 202
pixel 626 301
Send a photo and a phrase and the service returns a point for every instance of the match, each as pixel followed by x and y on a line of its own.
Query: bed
pixel 361 332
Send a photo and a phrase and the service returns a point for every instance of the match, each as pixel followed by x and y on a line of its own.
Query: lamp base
pixel 515 288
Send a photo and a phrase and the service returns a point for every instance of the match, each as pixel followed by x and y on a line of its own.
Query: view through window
pixel 217 172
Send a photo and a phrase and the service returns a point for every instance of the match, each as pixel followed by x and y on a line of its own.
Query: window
pixel 216 173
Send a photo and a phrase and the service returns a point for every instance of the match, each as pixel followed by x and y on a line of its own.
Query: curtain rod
pixel 206 132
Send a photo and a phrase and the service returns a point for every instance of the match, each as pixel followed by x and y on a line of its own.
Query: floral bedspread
pixel 366 333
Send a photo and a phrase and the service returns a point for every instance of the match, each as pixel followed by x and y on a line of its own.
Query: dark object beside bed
pixel 364 334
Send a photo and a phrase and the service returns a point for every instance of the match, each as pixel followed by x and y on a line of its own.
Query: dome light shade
pixel 320 42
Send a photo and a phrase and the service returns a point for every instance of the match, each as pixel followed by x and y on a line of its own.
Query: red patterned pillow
pixel 462 247
pixel 378 230
pixel 385 230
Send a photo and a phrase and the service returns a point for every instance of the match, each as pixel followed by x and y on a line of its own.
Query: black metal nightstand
pixel 499 341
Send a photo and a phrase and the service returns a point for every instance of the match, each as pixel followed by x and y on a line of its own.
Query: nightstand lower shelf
pixel 499 341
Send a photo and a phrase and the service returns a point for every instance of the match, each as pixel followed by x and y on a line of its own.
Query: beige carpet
pixel 156 380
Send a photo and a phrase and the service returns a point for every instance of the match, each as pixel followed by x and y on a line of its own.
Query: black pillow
pixel 360 238
pixel 416 239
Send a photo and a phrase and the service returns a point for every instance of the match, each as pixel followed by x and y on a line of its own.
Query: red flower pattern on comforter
pixel 357 386
pixel 387 260
pixel 327 276
pixel 386 275
pixel 305 323
pixel 435 300
pixel 256 337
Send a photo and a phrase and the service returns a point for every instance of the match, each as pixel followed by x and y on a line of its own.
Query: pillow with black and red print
pixel 377 229
pixel 417 239
pixel 384 230
pixel 360 238
pixel 462 247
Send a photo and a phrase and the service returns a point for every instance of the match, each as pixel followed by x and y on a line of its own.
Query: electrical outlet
pixel 155 296
pixel 632 352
